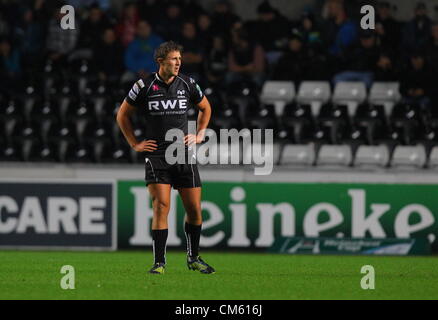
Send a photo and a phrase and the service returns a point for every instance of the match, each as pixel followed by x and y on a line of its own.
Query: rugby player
pixel 165 97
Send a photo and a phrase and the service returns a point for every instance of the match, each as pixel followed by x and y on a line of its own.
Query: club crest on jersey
pixel 181 92
pixel 155 87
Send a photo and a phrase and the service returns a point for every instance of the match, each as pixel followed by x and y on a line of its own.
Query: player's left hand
pixel 192 139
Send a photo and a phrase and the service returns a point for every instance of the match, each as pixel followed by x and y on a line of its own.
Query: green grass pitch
pixel 239 276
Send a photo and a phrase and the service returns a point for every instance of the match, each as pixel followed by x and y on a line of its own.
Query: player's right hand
pixel 146 145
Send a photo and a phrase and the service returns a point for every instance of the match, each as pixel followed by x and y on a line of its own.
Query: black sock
pixel 193 234
pixel 159 238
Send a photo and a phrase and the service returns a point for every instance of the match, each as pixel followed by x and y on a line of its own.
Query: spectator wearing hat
pixel 416 33
pixel 386 67
pixel 246 59
pixel 108 57
pixel 416 81
pixel 294 63
pixel 93 27
pixel 271 30
pixel 193 55
pixel 309 29
pixel 216 62
pixel 360 61
pixel 387 28
pixel 170 26
pixel 223 19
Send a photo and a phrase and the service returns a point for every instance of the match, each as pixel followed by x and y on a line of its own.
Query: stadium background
pixel 362 166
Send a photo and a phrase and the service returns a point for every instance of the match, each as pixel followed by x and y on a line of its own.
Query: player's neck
pixel 167 78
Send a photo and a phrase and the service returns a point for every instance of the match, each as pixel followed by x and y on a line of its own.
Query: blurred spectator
pixel 127 26
pixel 60 43
pixel 417 81
pixel 169 27
pixel 149 10
pixel 192 9
pixel 246 59
pixel 205 34
pixel 386 68
pixel 310 30
pixel 387 28
pixel 139 56
pixel 216 64
pixel 339 31
pixel 193 55
pixel 43 10
pixel 10 68
pixel 293 64
pixel 270 30
pixel 108 57
pixel 432 48
pixel 105 5
pixel 4 25
pixel 360 61
pixel 93 27
pixel 416 33
pixel 223 18
pixel 30 37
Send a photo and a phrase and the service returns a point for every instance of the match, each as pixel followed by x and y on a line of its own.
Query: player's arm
pixel 124 122
pixel 203 120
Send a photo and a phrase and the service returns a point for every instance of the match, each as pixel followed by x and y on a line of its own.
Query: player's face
pixel 172 63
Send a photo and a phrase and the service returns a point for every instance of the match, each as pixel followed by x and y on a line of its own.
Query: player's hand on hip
pixel 192 139
pixel 146 145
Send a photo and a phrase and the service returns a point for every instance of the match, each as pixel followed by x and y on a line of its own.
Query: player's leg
pixel 160 194
pixel 191 198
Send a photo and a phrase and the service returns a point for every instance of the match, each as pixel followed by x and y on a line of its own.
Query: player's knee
pixel 161 206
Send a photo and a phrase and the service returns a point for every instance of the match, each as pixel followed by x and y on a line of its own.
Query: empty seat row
pixel 326 156
pixel 317 93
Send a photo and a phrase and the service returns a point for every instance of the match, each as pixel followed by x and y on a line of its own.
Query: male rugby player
pixel 165 96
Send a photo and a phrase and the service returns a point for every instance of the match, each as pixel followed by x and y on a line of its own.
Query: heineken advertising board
pixel 253 215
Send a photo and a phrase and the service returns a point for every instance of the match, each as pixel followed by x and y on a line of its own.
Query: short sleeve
pixel 196 94
pixel 134 96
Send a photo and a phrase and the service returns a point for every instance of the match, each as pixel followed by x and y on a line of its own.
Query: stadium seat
pixel 294 155
pixel 263 119
pixel 314 93
pixel 406 120
pixel 334 120
pixel 119 154
pixel 409 157
pixel 386 94
pixel 10 153
pixel 222 154
pixel 370 119
pixel 278 93
pixel 334 156
pixel 255 147
pixel 433 158
pixel 43 153
pixel 372 156
pixel 298 124
pixel 351 94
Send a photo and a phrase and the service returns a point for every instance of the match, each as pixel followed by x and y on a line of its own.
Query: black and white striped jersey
pixel 164 105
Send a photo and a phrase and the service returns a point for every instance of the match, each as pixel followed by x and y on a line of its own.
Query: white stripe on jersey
pixel 132 95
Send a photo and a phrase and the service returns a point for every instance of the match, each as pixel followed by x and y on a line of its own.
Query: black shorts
pixel 157 170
